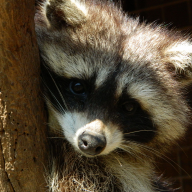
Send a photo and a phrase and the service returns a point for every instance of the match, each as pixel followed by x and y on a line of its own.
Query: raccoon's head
pixel 111 82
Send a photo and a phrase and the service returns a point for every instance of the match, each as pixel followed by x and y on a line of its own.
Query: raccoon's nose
pixel 91 143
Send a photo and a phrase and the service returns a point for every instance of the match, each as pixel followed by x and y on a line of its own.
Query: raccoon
pixel 114 93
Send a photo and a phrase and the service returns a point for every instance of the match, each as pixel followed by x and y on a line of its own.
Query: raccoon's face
pixel 110 82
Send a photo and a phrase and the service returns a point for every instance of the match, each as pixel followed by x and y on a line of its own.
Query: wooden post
pixel 22 117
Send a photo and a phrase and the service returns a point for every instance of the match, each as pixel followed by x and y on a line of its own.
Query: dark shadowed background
pixel 176 14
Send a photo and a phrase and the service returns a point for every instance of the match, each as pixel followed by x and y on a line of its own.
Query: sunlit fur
pixel 119 60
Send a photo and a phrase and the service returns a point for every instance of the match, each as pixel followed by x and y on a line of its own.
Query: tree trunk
pixel 22 118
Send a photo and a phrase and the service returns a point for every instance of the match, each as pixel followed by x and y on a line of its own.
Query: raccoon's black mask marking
pixel 101 104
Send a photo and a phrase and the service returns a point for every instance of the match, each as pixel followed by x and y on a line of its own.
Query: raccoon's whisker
pixel 128 151
pixel 118 161
pixel 57 131
pixel 139 131
pixel 155 152
pixel 64 102
pixel 158 154
pixel 131 150
pixel 165 158
pixel 137 156
pixel 56 137
pixel 151 150
pixel 47 100
pixel 162 156
pixel 60 106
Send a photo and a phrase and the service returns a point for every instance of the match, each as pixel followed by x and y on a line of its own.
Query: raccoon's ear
pixel 178 58
pixel 71 12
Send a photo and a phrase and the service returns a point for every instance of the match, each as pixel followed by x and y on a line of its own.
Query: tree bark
pixel 22 117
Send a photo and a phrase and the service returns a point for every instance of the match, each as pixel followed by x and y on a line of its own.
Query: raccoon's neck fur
pixel 110 173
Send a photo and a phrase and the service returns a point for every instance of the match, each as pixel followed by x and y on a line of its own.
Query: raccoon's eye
pixel 77 88
pixel 130 107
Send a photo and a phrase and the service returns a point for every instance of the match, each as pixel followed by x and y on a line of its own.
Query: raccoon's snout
pixel 91 143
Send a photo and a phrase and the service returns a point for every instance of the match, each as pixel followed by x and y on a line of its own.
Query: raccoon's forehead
pixel 80 64
pixel 122 68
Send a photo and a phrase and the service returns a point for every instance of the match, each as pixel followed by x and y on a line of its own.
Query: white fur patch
pixel 75 11
pixel 180 54
pixel 66 65
pixel 102 76
pixel 80 5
